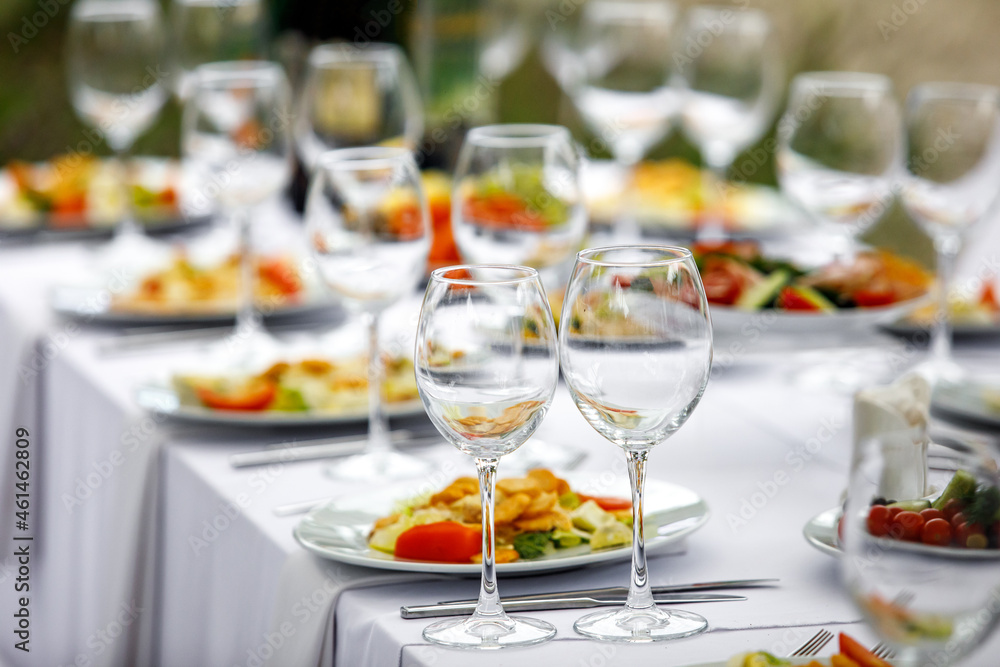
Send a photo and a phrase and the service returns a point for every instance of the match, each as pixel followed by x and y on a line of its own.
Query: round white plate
pixel 163 399
pixel 821 532
pixel 794 662
pixel 339 531
pixel 731 320
pixel 964 401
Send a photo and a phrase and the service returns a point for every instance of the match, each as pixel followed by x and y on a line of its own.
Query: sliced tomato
pixel 441 542
pixel 721 289
pixel 280 274
pixel 608 503
pixel 789 299
pixel 254 396
pixel 988 297
pixel 874 298
pixel 622 281
pixel 502 210
pixel 859 654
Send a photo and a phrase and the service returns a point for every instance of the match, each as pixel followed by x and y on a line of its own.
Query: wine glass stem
pixel 713 227
pixel 127 226
pixel 247 319
pixel 628 226
pixel 947 247
pixel 639 595
pixel 489 606
pixel 378 442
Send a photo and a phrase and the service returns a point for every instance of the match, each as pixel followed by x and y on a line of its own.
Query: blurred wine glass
pixel 731 77
pixel 635 344
pixel 927 582
pixel 235 135
pixel 622 87
pixel 952 179
pixel 114 54
pixel 517 199
pixel 368 229
pixel 357 96
pixel 487 366
pixel 207 31
pixel 840 148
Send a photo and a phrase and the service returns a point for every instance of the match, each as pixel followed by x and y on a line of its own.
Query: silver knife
pixel 622 591
pixel 325 449
pixel 546 604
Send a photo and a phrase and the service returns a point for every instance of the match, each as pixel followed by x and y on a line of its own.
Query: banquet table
pixel 176 558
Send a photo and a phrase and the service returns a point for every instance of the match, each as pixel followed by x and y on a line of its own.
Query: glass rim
pixel 247 72
pixel 363 157
pixel 528 274
pixel 681 255
pixel 843 80
pixel 756 17
pixel 516 135
pixel 953 90
pixel 334 53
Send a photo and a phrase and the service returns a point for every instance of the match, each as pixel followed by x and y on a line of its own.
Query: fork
pixel 814 645
pixel 883 651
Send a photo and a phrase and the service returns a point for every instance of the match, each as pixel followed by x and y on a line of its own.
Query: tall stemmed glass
pixel 357 96
pixel 730 72
pixel 114 55
pixel 208 31
pixel 487 365
pixel 928 585
pixel 840 148
pixel 517 199
pixel 368 229
pixel 236 135
pixel 635 340
pixel 952 179
pixel 623 87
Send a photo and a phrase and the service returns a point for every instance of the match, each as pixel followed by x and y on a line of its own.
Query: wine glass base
pixel 378 466
pixel 640 625
pixel 478 633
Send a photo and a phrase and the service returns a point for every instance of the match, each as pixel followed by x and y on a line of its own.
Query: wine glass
pixel 517 199
pixel 207 31
pixel 115 51
pixel 235 135
pixel 357 96
pixel 929 586
pixel 622 88
pixel 487 365
pixel 840 149
pixel 731 78
pixel 368 229
pixel 635 339
pixel 952 179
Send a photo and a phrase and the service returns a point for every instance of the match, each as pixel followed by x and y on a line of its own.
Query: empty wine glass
pixel 235 134
pixel 729 70
pixel 368 228
pixel 952 179
pixel 487 365
pixel 357 96
pixel 115 51
pixel 517 199
pixel 928 583
pixel 622 88
pixel 635 340
pixel 208 31
pixel 840 149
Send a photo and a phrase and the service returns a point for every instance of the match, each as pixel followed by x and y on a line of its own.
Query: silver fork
pixel 883 651
pixel 814 645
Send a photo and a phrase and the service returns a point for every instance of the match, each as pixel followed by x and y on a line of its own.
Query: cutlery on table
pixel 814 645
pixel 622 591
pixel 324 448
pixel 546 604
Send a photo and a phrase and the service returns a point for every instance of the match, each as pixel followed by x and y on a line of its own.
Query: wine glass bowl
pixel 357 96
pixel 636 353
pixel 517 199
pixel 487 365
pixel 840 150
pixel 932 592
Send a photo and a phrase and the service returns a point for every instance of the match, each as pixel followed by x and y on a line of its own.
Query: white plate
pixel 735 321
pixel 339 531
pixel 825 662
pixel 163 400
pixel 821 532
pixel 964 401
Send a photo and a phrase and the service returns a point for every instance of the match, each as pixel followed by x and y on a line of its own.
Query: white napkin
pixel 898 415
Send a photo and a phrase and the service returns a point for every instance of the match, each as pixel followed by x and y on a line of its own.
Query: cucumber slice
pixel 764 292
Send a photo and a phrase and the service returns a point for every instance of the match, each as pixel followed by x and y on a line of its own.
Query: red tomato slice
pixel 790 300
pixel 874 298
pixel 442 542
pixel 859 654
pixel 256 396
pixel 279 274
pixel 607 503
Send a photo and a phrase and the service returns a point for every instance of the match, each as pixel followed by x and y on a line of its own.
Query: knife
pixel 622 591
pixel 327 448
pixel 546 604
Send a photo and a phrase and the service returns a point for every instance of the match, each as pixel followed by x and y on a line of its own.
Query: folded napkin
pixel 897 414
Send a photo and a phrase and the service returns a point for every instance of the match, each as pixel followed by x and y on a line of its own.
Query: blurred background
pixel 484 61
